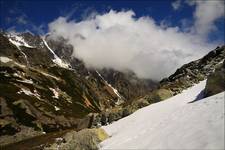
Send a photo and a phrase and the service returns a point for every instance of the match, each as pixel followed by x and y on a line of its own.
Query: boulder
pixel 159 95
pixel 86 139
pixel 216 81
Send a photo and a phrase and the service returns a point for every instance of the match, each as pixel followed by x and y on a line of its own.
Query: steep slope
pixel 193 72
pixel 172 124
pixel 41 91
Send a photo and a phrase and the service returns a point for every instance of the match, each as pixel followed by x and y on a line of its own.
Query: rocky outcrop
pixel 193 72
pixel 45 99
pixel 87 139
pixel 216 81
pixel 128 84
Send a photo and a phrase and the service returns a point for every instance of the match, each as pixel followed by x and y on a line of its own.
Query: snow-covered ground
pixel 172 124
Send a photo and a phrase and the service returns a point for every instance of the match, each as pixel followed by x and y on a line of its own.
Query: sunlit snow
pixel 172 124
pixel 56 59
pixel 5 59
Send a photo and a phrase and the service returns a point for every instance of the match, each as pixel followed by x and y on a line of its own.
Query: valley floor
pixel 177 123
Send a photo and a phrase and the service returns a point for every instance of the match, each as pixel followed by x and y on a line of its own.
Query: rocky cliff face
pixel 216 81
pixel 194 71
pixel 44 88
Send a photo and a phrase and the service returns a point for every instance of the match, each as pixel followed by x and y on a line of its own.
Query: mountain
pixel 44 89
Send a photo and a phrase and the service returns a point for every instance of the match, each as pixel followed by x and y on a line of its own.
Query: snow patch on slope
pixel 5 59
pixel 56 59
pixel 28 92
pixel 56 108
pixel 55 92
pixel 172 124
pixel 19 41
pixel 120 100
pixel 26 81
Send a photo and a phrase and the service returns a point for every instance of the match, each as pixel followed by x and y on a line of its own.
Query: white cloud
pixel 176 4
pixel 207 12
pixel 119 40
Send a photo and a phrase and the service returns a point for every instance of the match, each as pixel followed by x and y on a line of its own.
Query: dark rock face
pixel 193 72
pixel 128 84
pixel 216 81
pixel 43 100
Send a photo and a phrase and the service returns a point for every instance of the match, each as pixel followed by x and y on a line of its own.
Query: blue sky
pixel 35 15
pixel 32 15
pixel 45 11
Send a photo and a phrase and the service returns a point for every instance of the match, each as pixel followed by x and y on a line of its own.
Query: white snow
pixel 56 59
pixel 16 75
pixel 54 91
pixel 18 40
pixel 119 101
pixel 28 92
pixel 27 81
pixel 172 124
pixel 56 108
pixel 22 66
pixel 5 59
pixel 49 75
pixel 221 61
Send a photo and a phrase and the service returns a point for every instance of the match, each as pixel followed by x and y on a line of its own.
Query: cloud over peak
pixel 121 41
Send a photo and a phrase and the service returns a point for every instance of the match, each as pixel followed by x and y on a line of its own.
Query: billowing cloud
pixel 120 41
pixel 176 4
pixel 207 12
